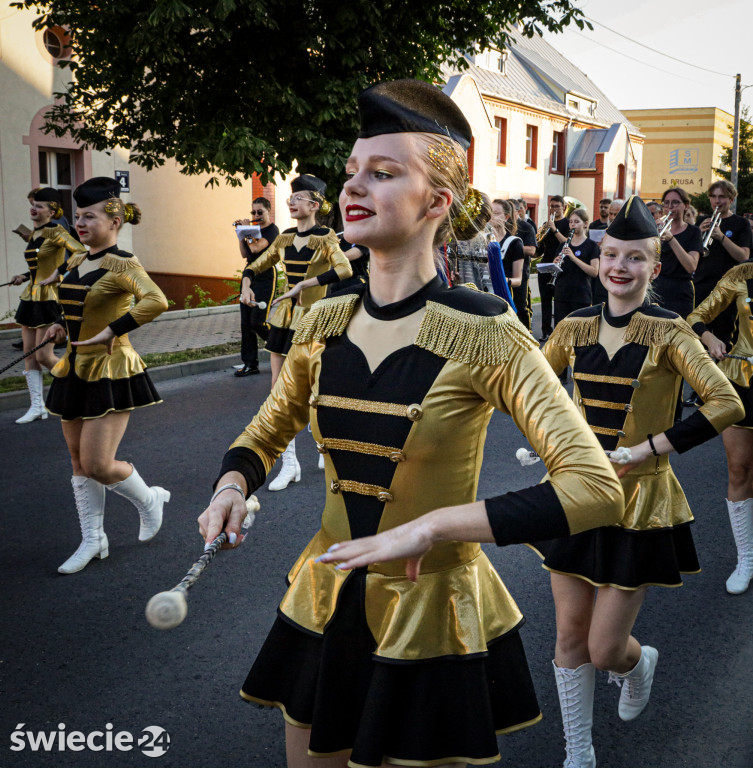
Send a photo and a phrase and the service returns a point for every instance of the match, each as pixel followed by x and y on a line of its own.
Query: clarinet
pixel 570 237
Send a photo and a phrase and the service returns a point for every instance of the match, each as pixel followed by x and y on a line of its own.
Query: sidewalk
pixel 170 332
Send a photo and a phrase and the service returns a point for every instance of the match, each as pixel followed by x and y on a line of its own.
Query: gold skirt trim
pixel 109 411
pixel 277 705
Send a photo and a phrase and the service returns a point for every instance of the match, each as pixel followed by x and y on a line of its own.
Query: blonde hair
pixel 446 165
pixel 129 213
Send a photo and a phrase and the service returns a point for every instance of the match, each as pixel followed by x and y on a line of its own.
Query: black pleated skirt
pixel 37 314
pixel 746 395
pixel 73 398
pixel 279 340
pixel 627 559
pixel 411 713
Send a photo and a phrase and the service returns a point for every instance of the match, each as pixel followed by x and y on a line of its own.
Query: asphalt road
pixel 78 652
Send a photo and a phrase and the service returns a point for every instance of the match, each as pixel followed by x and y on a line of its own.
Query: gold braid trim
pixel 471 339
pixel 356 446
pixel 741 272
pixel 607 404
pixel 365 489
pixel 605 379
pixel 327 317
pixel 646 331
pixel 576 332
pixel 606 431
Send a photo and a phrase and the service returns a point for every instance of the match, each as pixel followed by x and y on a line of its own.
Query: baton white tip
pixel 166 610
pixel 262 305
pixel 521 454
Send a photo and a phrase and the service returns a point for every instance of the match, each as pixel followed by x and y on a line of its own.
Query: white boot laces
pixel 577 737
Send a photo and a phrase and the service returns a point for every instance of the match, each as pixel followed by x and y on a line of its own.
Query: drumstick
pixel 528 458
pixel 30 352
pixel 166 610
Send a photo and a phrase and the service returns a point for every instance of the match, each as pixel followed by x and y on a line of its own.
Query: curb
pixel 20 398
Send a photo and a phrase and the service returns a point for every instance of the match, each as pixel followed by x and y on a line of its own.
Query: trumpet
pixel 666 223
pixel 715 219
pixel 544 229
pixel 570 237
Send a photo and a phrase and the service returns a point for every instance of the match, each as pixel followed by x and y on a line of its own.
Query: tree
pixel 237 87
pixel 744 169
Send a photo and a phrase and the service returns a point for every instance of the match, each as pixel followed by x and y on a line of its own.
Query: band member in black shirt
pixel 729 246
pixel 603 221
pixel 550 245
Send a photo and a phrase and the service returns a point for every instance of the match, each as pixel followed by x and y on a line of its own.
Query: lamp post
pixel 736 136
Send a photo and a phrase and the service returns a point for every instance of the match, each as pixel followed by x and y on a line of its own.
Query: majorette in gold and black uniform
pixel 627 372
pixel 87 382
pixel 45 252
pixel 313 253
pixel 413 673
pixel 735 289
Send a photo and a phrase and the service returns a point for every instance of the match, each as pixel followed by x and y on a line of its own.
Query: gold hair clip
pixel 471 208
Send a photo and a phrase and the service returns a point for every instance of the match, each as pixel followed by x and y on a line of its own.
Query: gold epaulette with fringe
pixel 111 263
pixel 741 271
pixel 317 241
pixel 284 240
pixel 645 330
pixel 576 332
pixel 327 317
pixel 471 339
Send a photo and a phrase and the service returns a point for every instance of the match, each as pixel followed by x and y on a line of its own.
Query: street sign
pixel 124 179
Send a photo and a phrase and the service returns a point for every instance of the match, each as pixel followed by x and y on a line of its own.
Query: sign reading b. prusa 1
pixel 124 179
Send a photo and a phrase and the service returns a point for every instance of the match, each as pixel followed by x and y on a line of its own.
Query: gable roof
pixel 537 75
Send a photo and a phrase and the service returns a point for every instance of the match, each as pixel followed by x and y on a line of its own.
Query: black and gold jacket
pixel 101 298
pixel 735 287
pixel 634 393
pixel 319 257
pixel 406 438
pixel 44 253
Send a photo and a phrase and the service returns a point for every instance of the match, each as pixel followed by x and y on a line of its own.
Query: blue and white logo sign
pixel 683 161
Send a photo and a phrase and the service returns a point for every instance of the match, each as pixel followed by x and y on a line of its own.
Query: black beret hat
pixel 411 106
pixel 308 183
pixel 633 222
pixel 95 191
pixel 47 195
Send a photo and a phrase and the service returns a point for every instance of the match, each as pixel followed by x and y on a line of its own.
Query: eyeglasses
pixel 672 203
pixel 258 213
pixel 295 199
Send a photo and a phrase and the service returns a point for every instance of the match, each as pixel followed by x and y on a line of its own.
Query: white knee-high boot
pixel 90 504
pixel 148 501
pixel 741 520
pixel 290 472
pixel 37 410
pixel 575 688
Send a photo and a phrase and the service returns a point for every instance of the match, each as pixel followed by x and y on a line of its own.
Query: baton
pixel 166 610
pixel 30 352
pixel 529 458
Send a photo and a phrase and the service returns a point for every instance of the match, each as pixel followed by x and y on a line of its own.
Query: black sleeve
pixel 690 432
pixel 743 236
pixel 124 324
pixel 245 461
pixel 695 240
pixel 330 276
pixel 527 235
pixel 531 514
pixel 699 328
pixel 249 273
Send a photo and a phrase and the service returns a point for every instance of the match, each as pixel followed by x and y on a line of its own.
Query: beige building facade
pixel 682 147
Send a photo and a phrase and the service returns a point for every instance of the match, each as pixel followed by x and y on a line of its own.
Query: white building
pixel 542 128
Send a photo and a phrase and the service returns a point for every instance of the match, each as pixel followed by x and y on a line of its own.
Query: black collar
pixel 620 321
pixel 406 306
pixel 100 254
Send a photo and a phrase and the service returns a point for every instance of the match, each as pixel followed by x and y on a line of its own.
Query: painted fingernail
pixel 333 548
pixel 340 567
pixel 320 558
pixel 232 538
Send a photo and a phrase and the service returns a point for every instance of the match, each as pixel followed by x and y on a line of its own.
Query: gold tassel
pixel 646 331
pixel 284 240
pixel 576 332
pixel 118 264
pixel 75 261
pixel 328 317
pixel 317 241
pixel 471 339
pixel 741 271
